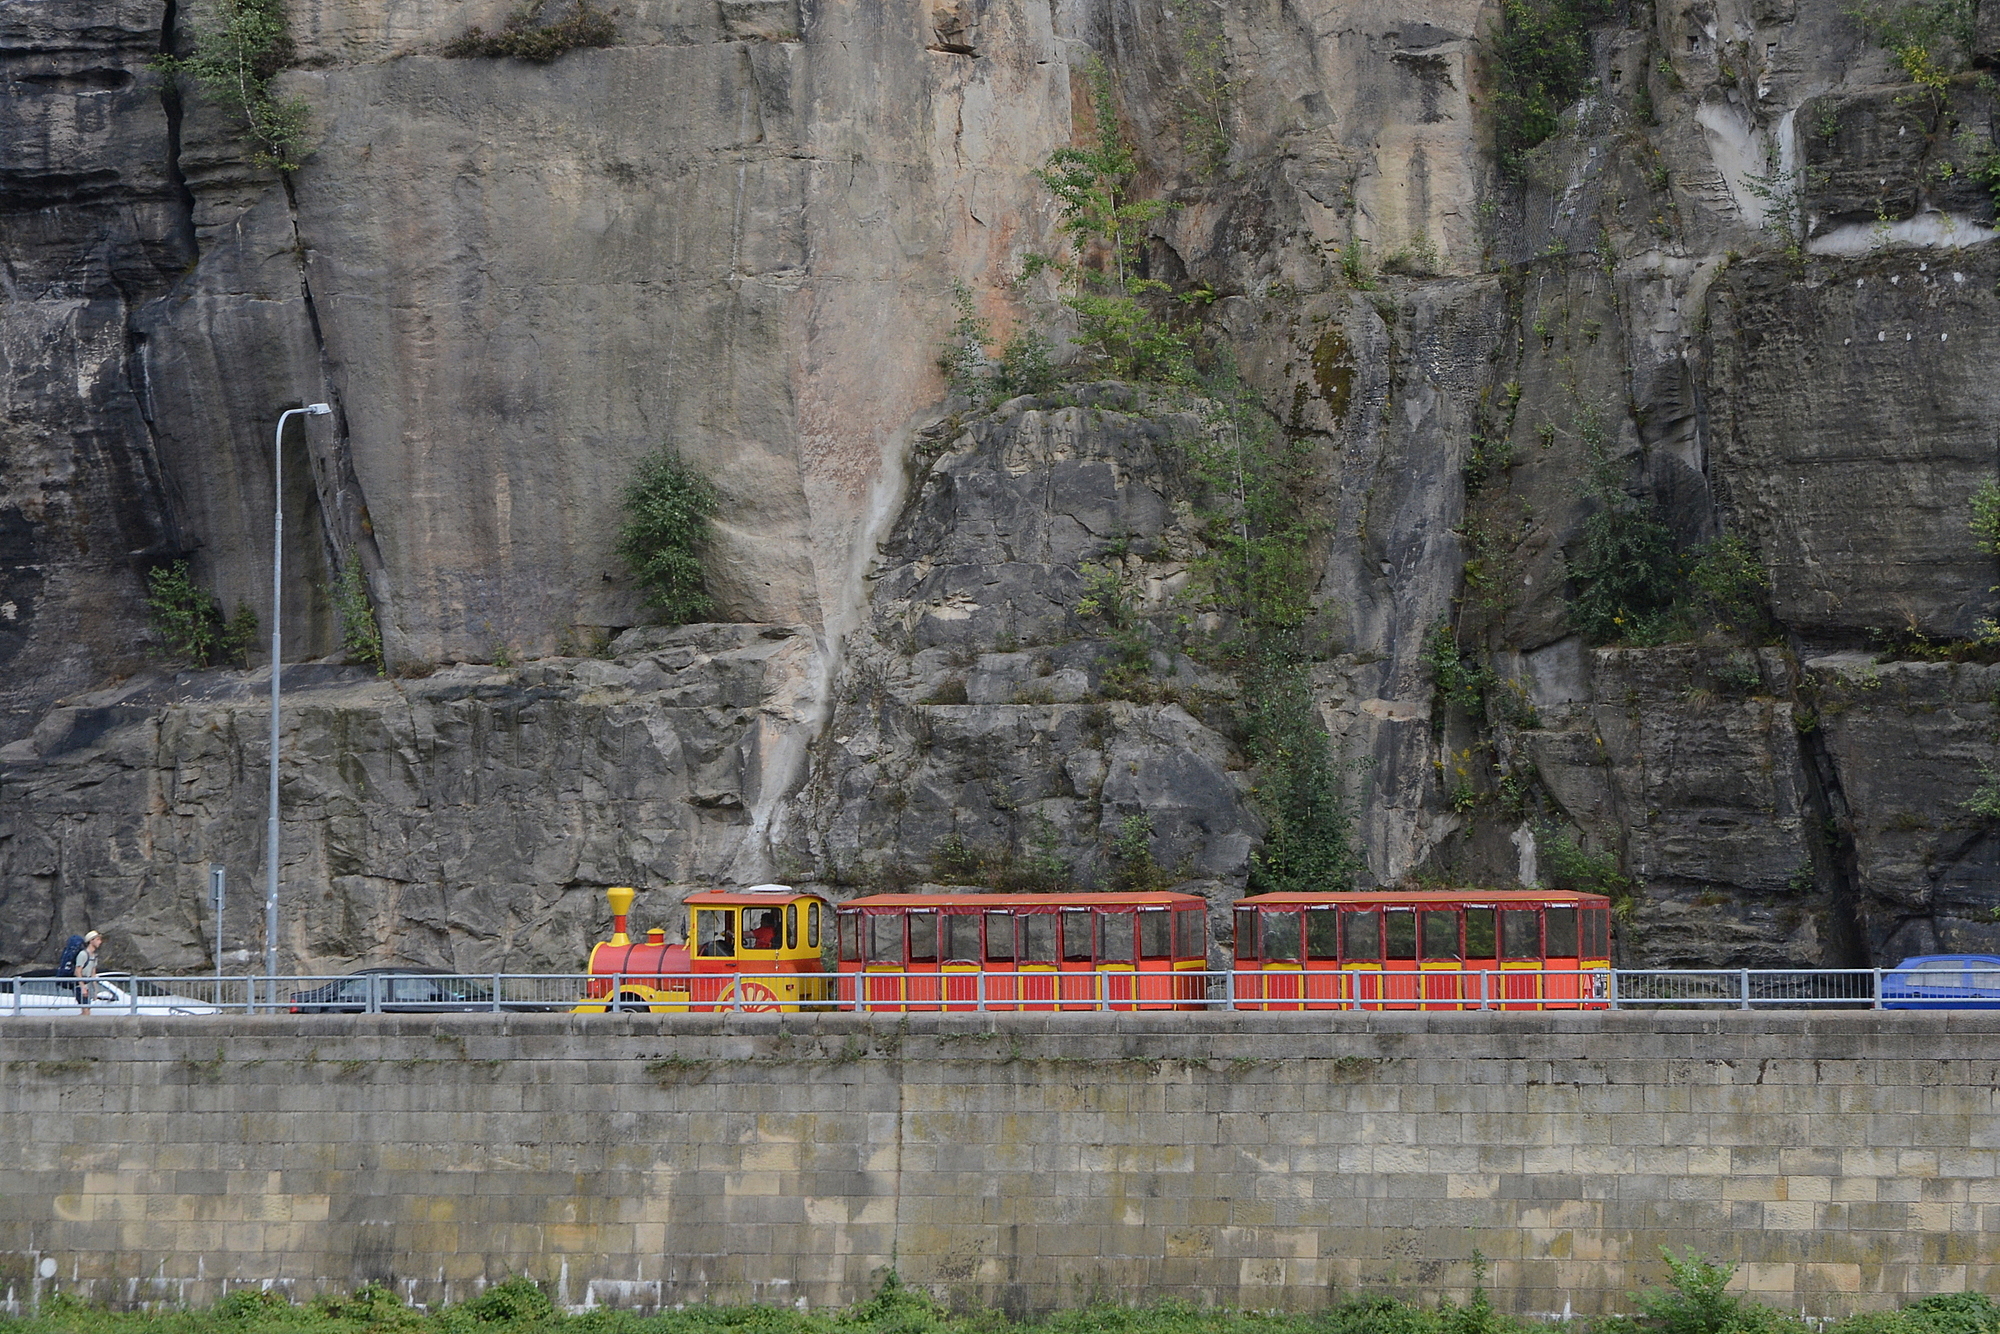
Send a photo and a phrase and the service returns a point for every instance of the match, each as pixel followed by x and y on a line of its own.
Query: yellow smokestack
pixel 621 904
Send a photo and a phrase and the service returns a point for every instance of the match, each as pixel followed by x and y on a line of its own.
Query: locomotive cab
pixel 754 949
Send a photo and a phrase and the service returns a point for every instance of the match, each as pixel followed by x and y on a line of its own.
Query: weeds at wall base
pixel 1693 1299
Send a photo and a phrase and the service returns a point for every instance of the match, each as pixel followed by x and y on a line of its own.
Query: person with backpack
pixel 79 960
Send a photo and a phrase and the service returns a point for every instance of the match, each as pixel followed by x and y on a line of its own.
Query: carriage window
pixel 1597 933
pixel 885 938
pixel 812 926
pixel 1077 928
pixel 1246 933
pixel 763 928
pixel 1399 931
pixel 850 937
pixel 1281 936
pixel 1361 936
pixel 1561 923
pixel 961 936
pixel 1520 933
pixel 1038 937
pixel 923 937
pixel 1117 937
pixel 1441 934
pixel 791 926
pixel 999 937
pixel 715 933
pixel 1155 934
pixel 1194 933
pixel 1479 933
pixel 1321 941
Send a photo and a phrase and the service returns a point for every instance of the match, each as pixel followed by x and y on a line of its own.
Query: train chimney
pixel 621 904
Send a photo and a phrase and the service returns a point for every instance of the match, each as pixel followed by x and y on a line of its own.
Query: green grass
pixel 1693 1302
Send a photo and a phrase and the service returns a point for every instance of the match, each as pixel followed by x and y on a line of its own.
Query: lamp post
pixel 277 602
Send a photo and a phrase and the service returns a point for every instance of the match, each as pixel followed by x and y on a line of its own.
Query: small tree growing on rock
pixel 235 56
pixel 667 510
pixel 1093 186
pixel 189 620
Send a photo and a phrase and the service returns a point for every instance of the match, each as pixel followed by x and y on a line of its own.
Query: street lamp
pixel 277 602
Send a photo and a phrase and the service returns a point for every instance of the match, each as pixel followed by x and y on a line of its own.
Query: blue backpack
pixel 67 968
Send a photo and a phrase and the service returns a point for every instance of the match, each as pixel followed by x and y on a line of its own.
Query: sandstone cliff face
pixel 471 819
pixel 732 230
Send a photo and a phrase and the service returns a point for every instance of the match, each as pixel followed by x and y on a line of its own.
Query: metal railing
pixel 367 993
pixel 1027 989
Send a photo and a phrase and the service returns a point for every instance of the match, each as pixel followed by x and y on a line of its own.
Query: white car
pixel 112 995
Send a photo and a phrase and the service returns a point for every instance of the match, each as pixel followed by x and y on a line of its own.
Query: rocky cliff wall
pixel 1747 290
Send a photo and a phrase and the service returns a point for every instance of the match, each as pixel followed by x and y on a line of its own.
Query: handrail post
pixel 1611 986
pixel 1743 975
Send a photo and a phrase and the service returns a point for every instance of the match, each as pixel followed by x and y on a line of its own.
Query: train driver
pixel 717 934
pixel 760 928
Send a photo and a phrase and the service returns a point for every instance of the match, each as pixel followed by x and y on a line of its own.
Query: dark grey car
pixel 394 991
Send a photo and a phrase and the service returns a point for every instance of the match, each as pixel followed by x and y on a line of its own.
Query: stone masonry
pixel 1845 1161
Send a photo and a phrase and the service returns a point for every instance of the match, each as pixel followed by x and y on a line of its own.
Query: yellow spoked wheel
pixel 754 997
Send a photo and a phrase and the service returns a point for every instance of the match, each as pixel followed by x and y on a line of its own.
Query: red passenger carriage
pixel 1528 949
pixel 1023 951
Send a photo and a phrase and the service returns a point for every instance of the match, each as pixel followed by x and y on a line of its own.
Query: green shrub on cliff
pixel 1985 521
pixel 1541 64
pixel 1116 308
pixel 1092 183
pixel 1625 572
pixel 360 632
pixel 1206 92
pixel 1301 781
pixel 667 509
pixel 1023 367
pixel 1254 486
pixel 189 621
pixel 525 37
pixel 1130 340
pixel 1629 585
pixel 1931 40
pixel 235 55
pixel 1458 678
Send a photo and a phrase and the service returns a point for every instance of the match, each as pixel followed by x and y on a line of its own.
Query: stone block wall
pixel 1844 1160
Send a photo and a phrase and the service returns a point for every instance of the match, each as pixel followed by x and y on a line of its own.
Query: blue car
pixel 1943 982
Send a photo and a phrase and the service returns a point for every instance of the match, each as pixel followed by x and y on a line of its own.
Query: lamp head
pixel 318 409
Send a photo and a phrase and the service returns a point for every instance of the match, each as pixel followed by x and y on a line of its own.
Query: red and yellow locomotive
pixel 754 949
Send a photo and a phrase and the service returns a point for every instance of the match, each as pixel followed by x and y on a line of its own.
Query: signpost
pixel 215 878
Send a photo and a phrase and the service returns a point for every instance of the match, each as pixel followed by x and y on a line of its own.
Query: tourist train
pixel 770 948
